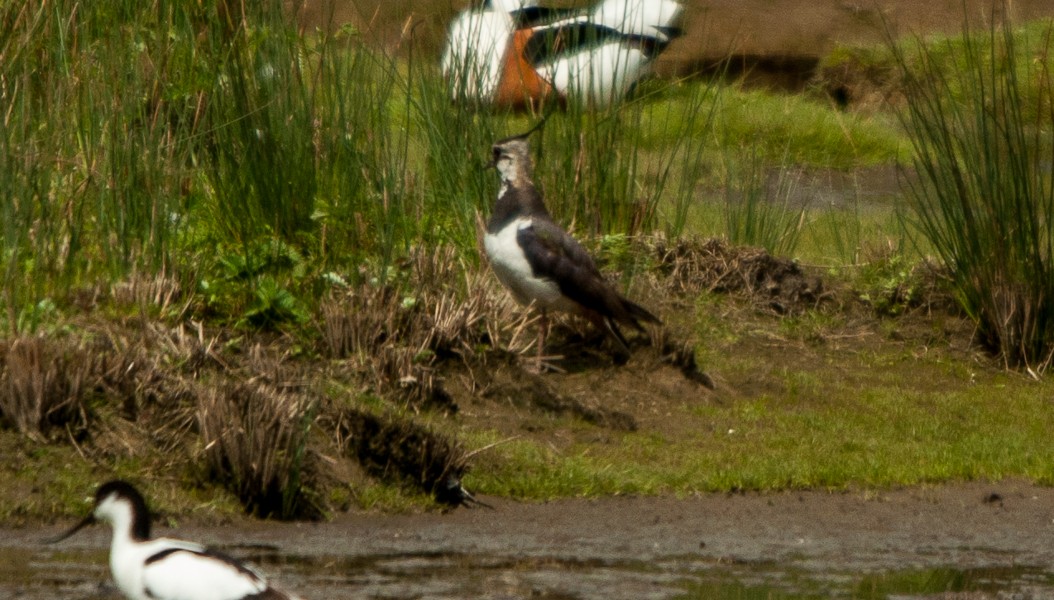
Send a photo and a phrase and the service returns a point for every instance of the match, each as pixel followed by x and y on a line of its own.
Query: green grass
pixel 897 437
pixel 890 416
pixel 802 131
pixel 244 159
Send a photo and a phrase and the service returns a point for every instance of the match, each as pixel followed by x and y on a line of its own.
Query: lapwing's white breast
pixel 510 264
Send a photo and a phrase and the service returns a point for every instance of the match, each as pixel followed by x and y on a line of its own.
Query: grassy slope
pixel 817 401
pixel 833 399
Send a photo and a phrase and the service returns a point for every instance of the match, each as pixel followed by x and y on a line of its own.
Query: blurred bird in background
pixel 514 53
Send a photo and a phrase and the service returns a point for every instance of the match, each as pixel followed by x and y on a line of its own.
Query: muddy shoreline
pixel 648 546
pixel 967 524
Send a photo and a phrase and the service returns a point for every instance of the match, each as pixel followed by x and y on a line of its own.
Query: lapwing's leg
pixel 543 332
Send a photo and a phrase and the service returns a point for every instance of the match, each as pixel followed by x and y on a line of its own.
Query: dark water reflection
pixel 82 574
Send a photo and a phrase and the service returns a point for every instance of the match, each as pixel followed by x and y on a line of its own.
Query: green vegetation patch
pixel 840 403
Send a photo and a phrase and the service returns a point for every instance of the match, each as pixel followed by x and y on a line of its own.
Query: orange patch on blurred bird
pixel 520 86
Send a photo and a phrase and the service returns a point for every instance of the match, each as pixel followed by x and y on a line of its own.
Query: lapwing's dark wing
pixel 555 255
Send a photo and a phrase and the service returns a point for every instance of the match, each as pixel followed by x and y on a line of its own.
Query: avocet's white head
pixel 123 507
pixel 120 505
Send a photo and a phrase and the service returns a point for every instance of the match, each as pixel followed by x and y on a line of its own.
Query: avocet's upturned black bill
pixel 540 263
pixel 162 568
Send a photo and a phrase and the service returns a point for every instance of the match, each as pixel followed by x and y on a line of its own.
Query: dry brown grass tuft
pixel 39 392
pixel 46 383
pixel 157 291
pixel 713 265
pixel 397 333
pixel 256 444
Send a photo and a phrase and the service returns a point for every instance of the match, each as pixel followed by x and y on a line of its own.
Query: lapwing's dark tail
pixel 638 313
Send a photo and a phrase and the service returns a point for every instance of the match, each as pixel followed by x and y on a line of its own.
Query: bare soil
pixel 969 525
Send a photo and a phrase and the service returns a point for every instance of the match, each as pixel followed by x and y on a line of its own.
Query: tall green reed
pixel 366 198
pixel 24 180
pixel 456 134
pixel 984 198
pixel 259 151
pixel 761 209
pixel 227 148
pixel 88 193
pixel 632 166
pixel 681 118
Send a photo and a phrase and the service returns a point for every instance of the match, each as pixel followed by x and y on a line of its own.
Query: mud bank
pixel 793 544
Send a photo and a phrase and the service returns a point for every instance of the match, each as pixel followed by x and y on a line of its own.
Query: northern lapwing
pixel 539 262
pixel 514 53
pixel 162 568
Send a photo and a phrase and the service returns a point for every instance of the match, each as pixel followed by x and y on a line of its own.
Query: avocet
pixel 162 568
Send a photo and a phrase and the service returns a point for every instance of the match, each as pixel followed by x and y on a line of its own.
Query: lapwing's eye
pixel 497 154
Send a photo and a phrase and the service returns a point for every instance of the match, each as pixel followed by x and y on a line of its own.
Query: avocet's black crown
pixel 121 489
pixel 126 491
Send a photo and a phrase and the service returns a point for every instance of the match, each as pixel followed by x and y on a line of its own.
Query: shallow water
pixel 81 574
pixel 948 542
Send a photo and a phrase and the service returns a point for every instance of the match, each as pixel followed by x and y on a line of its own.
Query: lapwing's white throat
pixel 539 262
pixel 514 53
pixel 166 569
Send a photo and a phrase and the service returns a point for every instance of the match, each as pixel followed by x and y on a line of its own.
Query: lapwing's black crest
pixel 539 262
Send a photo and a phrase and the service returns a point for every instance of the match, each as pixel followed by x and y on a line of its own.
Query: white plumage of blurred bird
pixel 514 53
